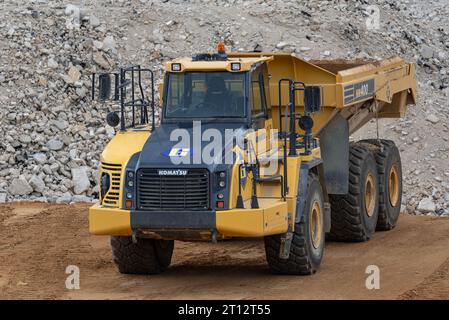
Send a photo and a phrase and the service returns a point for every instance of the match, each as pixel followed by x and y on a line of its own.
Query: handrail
pixel 138 99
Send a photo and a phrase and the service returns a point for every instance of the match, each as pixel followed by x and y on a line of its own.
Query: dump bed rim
pixel 369 69
pixel 273 54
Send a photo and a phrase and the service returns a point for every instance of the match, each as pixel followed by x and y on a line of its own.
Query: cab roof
pixel 190 64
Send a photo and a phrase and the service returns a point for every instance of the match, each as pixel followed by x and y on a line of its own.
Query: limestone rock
pixel 20 187
pixel 80 180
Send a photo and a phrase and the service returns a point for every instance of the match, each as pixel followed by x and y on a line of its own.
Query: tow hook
pixel 214 236
pixel 134 237
pixel 286 241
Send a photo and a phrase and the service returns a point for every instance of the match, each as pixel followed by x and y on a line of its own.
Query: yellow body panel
pixel 123 145
pixel 271 190
pixel 118 151
pixel 394 79
pixel 109 221
pixel 271 218
pixel 188 65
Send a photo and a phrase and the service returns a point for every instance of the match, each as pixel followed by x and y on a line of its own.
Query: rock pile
pixel 52 134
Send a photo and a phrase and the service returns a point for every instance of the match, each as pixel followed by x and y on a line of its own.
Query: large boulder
pixel 80 180
pixel 40 157
pixel 81 198
pixel 55 144
pixel 37 184
pixel 426 205
pixel 66 197
pixel 20 187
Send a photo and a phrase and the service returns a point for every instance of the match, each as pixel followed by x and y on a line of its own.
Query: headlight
pixel 221 179
pixel 235 66
pixel 105 184
pixel 175 67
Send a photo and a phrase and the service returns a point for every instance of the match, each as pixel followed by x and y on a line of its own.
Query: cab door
pixel 260 109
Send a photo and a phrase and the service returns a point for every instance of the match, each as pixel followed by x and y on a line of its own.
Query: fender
pixel 315 165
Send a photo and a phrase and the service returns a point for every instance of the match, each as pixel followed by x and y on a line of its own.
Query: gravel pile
pixel 52 134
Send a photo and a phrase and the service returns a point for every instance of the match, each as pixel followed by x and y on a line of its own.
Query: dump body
pixel 357 90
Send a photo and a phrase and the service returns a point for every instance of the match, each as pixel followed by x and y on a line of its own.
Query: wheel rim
pixel 370 195
pixel 393 185
pixel 315 224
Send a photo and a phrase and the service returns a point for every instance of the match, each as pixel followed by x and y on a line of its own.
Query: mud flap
pixel 334 142
pixel 327 217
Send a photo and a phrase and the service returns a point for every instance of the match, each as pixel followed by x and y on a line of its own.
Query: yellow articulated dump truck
pixel 249 144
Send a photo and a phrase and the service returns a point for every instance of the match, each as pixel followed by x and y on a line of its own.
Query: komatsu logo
pixel 175 172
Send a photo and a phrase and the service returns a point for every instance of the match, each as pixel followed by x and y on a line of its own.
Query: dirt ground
pixel 38 242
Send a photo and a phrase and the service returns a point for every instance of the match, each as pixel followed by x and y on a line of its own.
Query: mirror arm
pixel 153 119
pixel 116 89
pixel 93 87
pixel 122 100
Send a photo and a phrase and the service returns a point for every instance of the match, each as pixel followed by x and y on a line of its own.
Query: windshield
pixel 205 95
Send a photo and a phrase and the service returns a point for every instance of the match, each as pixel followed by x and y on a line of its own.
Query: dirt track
pixel 38 241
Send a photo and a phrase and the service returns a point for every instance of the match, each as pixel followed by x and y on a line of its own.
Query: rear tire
pixel 307 248
pixel 146 256
pixel 389 168
pixel 354 215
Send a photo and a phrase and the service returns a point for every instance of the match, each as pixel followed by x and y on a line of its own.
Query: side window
pixel 198 90
pixel 266 85
pixel 176 89
pixel 258 104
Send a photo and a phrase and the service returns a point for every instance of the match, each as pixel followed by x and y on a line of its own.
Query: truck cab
pixel 179 174
pixel 234 91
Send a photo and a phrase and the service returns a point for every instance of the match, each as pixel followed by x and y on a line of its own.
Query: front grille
pixel 173 192
pixel 112 197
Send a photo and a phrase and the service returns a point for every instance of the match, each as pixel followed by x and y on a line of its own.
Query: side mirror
pixel 104 86
pixel 312 99
pixel 112 119
pixel 305 123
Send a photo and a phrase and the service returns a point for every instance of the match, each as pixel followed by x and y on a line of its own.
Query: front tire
pixel 146 256
pixel 307 248
pixel 354 215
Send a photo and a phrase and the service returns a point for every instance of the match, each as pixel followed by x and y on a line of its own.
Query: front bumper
pixel 109 221
pixel 267 220
pixel 156 220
